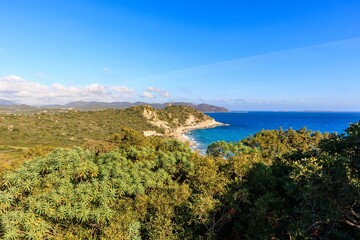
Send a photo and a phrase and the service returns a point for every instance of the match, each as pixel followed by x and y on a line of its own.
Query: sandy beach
pixel 180 132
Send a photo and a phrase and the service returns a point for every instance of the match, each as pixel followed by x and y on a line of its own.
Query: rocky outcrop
pixel 151 115
pixel 173 126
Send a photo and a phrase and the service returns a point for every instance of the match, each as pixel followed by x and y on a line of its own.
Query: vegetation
pixel 35 133
pixel 67 129
pixel 274 185
pixel 297 185
pixel 73 128
pixel 178 115
pixel 10 157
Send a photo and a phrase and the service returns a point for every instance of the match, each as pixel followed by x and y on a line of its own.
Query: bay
pixel 243 124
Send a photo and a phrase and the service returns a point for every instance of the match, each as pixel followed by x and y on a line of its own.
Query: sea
pixel 243 124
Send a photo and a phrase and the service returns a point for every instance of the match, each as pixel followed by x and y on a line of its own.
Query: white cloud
pixel 96 88
pixel 153 89
pixel 123 89
pixel 158 92
pixel 15 86
pixel 24 91
pixel 148 95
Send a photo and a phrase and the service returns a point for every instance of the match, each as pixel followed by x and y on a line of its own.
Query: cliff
pixel 176 120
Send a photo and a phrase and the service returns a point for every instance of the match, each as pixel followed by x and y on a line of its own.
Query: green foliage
pixel 38 151
pixel 74 128
pixel 299 185
pixel 140 189
pixel 180 114
pixel 69 129
pixel 10 157
pixel 275 143
pixel 24 136
pixel 274 185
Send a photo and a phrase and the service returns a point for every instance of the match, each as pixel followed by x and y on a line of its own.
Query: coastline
pixel 180 132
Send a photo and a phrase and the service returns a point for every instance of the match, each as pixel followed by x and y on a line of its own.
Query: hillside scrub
pixel 274 185
pixel 27 134
pixel 75 128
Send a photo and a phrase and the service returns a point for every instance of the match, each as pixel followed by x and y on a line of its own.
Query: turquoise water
pixel 243 124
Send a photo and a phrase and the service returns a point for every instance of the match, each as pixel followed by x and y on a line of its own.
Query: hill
pixel 93 105
pixel 68 128
pixel 24 109
pixel 44 130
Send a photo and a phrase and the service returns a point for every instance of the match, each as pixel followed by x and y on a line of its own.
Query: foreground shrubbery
pixel 274 185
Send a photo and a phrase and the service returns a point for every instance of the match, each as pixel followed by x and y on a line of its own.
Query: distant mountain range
pixel 6 106
pixel 6 103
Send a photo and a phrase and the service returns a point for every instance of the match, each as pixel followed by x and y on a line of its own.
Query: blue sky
pixel 245 55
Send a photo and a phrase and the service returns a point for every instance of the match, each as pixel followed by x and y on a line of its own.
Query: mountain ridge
pixel 94 105
pixel 9 106
pixel 4 102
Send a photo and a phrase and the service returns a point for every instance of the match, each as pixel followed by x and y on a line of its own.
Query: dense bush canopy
pixel 274 185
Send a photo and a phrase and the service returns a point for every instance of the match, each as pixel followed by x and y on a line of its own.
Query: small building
pixel 149 133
